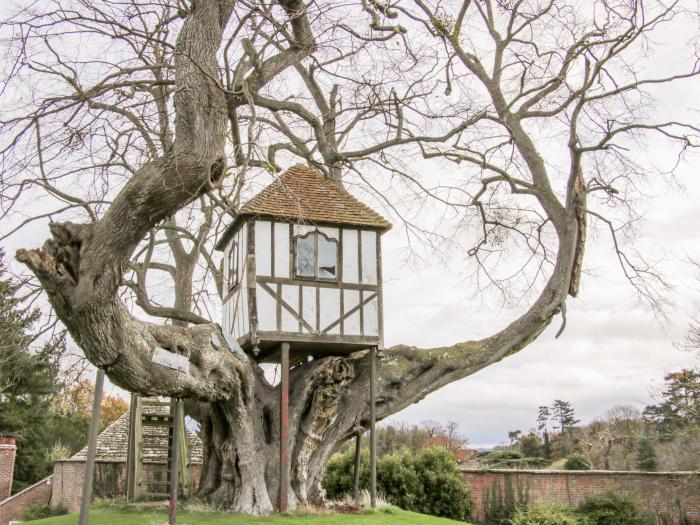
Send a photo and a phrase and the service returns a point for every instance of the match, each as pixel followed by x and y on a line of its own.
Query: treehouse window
pixel 316 257
pixel 233 266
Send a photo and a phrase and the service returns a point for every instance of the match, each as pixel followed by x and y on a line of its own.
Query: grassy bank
pixel 384 516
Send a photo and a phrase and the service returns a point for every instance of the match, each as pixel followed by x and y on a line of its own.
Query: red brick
pixel 8 450
pixel 658 492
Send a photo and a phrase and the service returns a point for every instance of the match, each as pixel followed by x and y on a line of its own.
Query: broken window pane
pixel 327 258
pixel 305 264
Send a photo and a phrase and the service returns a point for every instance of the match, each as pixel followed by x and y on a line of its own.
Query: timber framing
pixel 271 302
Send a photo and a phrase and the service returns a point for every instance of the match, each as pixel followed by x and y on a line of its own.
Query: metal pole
pixel 358 464
pixel 92 448
pixel 284 429
pixel 174 462
pixel 372 420
pixel 130 450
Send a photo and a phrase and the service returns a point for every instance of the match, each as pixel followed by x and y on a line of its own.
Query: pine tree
pixel 543 415
pixel 679 406
pixel 563 414
pixel 27 384
pixel 646 455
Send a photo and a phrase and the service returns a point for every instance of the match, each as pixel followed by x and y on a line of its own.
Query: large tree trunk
pixel 81 269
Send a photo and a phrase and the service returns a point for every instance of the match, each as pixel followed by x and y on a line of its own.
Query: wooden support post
pixel 372 424
pixel 358 465
pixel 284 429
pixel 92 448
pixel 131 450
pixel 174 462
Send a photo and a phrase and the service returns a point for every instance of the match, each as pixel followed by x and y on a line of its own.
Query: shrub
pixel 398 480
pixel 614 508
pixel 430 483
pixel 338 477
pixel 443 491
pixel 547 513
pixel 510 459
pixel 38 512
pixel 577 462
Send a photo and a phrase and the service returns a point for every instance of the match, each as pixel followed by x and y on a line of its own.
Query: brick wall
pixel 658 492
pixel 14 507
pixel 110 481
pixel 8 450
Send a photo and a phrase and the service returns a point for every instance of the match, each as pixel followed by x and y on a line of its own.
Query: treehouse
pixel 303 267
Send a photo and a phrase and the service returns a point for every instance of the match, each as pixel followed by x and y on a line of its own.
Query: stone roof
pixel 112 443
pixel 303 195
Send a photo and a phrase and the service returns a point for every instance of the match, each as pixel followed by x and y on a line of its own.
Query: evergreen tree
pixel 563 414
pixel 543 415
pixel 679 407
pixel 531 446
pixel 27 384
pixel 646 455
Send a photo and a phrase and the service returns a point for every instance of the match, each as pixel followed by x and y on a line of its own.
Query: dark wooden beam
pixel 358 465
pixel 284 428
pixel 174 462
pixel 372 425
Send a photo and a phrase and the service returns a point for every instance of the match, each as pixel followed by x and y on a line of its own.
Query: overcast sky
pixel 613 351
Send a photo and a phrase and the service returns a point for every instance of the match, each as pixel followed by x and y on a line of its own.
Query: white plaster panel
pixel 231 318
pixel 281 249
pixel 290 295
pixel 349 262
pixel 263 248
pixel 244 307
pixel 237 322
pixel 267 310
pixel 369 257
pixel 224 317
pixel 329 302
pixel 331 233
pixel 309 305
pixel 371 316
pixel 351 324
pixel 242 249
pixel 303 229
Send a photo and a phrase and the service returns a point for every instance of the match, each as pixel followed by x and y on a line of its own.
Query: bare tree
pixel 131 157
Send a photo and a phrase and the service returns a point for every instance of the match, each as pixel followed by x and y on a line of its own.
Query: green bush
pixel 510 459
pixel 443 489
pixel 338 477
pixel 38 512
pixel 577 462
pixel 398 480
pixel 614 508
pixel 430 483
pixel 547 513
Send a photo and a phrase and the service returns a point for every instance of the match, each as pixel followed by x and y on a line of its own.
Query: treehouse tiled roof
pixel 303 195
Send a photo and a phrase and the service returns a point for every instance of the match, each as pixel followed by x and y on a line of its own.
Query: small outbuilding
pixel 303 267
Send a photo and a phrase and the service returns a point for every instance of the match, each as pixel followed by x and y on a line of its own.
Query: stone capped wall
pixel 13 508
pixel 668 495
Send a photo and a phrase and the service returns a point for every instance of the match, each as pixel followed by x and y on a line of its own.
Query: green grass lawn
pixel 383 516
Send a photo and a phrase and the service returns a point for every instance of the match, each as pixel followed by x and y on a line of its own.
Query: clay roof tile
pixel 303 195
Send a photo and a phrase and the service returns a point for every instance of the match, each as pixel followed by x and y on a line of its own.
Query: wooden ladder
pixel 138 486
